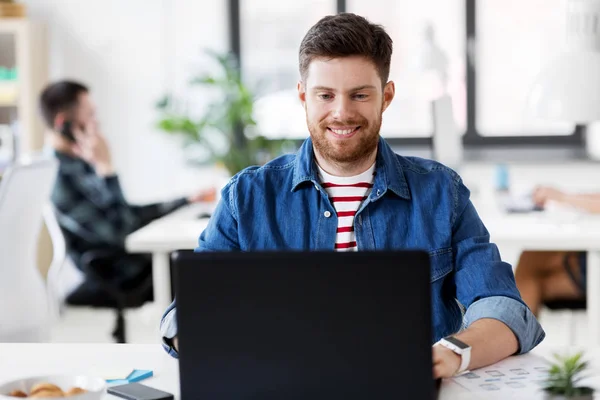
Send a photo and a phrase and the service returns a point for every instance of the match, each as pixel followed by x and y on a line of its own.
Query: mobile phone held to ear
pixel 67 131
pixel 137 391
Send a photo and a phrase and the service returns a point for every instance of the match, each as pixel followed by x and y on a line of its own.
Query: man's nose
pixel 342 109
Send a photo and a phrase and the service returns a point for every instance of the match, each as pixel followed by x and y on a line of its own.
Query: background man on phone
pixel 90 206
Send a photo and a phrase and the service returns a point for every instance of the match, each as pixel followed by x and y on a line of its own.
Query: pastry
pixel 75 391
pixel 47 390
pixel 44 386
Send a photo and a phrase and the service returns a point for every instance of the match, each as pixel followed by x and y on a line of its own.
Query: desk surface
pixel 559 228
pixel 177 231
pixel 26 360
pixel 23 360
pixel 541 231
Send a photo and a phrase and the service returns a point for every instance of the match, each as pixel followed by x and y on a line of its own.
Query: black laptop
pixel 304 325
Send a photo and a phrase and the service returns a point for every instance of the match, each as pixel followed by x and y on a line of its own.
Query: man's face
pixel 344 101
pixel 84 112
pixel 81 115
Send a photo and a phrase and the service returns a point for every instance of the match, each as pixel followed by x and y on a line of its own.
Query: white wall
pixel 130 53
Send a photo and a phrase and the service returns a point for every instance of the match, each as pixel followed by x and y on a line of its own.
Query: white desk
pixel 25 360
pixel 177 231
pixel 33 359
pixel 558 230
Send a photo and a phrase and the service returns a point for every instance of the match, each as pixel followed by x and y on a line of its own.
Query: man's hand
pixel 543 194
pixel 92 147
pixel 445 362
pixel 206 195
pixel 175 343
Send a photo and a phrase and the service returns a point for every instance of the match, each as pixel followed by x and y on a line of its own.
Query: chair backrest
pixel 24 191
pixel 59 256
pixel 63 277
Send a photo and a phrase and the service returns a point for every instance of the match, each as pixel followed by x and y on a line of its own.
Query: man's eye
pixel 361 96
pixel 325 96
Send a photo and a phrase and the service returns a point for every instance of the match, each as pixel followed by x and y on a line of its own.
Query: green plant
pixel 225 129
pixel 564 375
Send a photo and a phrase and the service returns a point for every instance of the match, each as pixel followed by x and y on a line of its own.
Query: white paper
pixel 519 377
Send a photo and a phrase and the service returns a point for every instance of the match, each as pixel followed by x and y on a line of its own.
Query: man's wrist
pixel 563 197
pixel 104 170
pixel 461 349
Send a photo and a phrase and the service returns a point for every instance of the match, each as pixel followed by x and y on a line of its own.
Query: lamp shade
pixel 568 88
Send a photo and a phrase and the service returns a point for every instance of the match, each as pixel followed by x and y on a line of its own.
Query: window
pixel 428 59
pixel 484 54
pixel 271 32
pixel 515 39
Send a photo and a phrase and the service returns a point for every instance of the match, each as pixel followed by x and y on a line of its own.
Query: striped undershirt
pixel 347 194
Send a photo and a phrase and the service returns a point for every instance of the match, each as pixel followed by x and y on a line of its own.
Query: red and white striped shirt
pixel 347 194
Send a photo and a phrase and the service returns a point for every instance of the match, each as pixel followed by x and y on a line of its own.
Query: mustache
pixel 358 122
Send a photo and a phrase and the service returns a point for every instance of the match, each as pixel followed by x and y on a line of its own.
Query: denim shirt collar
pixel 388 171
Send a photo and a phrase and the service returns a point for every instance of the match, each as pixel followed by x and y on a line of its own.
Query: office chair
pixel 96 288
pixel 99 290
pixel 56 295
pixel 24 191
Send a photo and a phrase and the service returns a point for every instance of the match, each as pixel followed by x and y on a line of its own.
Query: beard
pixel 350 151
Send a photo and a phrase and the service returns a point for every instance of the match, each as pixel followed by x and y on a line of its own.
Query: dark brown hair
pixel 344 35
pixel 58 97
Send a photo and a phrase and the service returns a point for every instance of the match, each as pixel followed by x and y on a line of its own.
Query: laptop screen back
pixel 300 325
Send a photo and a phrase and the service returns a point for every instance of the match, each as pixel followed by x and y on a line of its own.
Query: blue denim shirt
pixel 414 204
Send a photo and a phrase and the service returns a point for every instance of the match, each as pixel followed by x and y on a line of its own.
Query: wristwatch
pixel 460 348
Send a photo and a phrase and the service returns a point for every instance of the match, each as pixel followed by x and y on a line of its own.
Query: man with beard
pixel 346 190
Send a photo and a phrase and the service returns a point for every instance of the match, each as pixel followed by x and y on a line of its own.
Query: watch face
pixel 457 343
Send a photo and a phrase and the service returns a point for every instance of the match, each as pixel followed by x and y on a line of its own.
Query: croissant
pixel 47 393
pixel 47 390
pixel 45 386
pixel 75 391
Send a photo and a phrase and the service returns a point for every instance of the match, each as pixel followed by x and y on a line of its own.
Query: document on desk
pixel 519 377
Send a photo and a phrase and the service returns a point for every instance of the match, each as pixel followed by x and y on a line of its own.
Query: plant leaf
pixel 164 102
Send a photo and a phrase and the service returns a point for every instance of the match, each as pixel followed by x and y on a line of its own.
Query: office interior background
pixel 481 57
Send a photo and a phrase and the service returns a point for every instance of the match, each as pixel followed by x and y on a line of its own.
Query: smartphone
pixel 67 131
pixel 137 391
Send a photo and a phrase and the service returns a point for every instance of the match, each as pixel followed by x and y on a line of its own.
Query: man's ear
pixel 389 90
pixel 302 93
pixel 59 120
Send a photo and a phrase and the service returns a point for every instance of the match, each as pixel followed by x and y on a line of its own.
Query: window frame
pixel 471 138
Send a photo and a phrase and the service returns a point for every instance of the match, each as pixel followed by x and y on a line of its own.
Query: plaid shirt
pixel 92 211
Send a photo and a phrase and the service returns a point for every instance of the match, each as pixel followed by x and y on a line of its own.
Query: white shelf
pixel 13 25
pixel 9 93
pixel 27 40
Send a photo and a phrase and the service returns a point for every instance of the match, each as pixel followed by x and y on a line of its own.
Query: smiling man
pixel 346 190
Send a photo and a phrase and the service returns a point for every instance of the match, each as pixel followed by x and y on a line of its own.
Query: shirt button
pixel 378 192
pixel 316 187
pixel 327 214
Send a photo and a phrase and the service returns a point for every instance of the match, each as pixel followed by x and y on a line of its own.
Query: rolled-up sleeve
pixel 513 314
pixel 485 285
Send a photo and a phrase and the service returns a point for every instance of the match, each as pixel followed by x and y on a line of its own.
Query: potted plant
pixel 563 378
pixel 224 132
